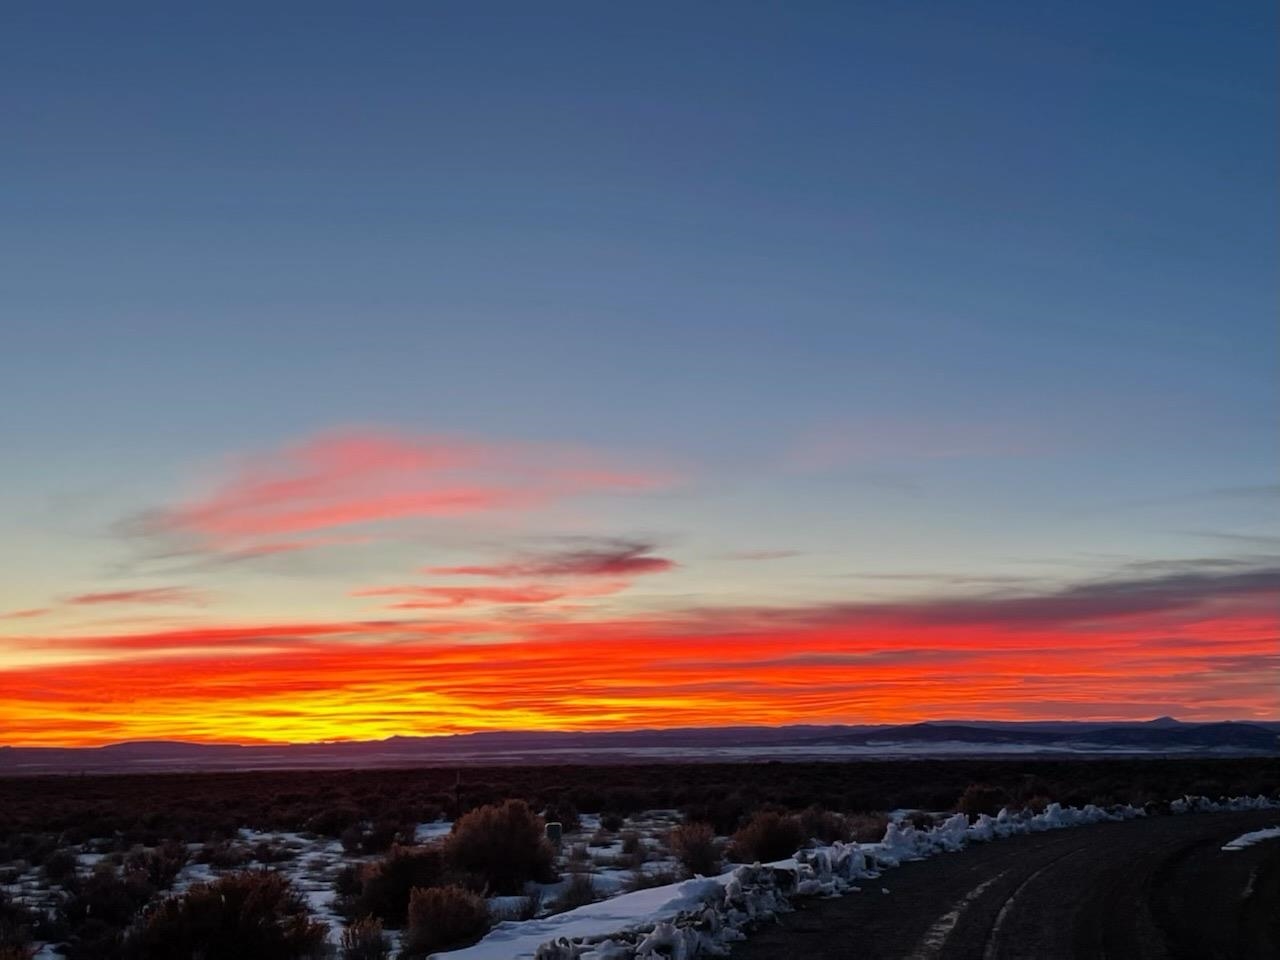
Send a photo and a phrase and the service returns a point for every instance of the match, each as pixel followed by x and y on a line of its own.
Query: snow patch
pixel 1249 839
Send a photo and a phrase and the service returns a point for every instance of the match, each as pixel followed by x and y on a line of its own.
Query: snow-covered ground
pixel 1249 839
pixel 641 911
pixel 700 917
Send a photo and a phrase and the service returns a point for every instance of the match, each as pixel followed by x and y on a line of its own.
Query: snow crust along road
pixel 698 918
pixel 1159 887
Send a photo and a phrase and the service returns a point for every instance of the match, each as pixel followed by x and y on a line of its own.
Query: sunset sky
pixel 434 367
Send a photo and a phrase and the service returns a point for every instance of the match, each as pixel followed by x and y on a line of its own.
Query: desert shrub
pixel 331 821
pixel 724 813
pixel 160 865
pixel 867 827
pixel 347 883
pixel 363 939
pixel 767 836
pixel 444 917
pixel 59 867
pixel 981 798
pixel 631 842
pixel 694 845
pixel 503 845
pixel 821 824
pixel 267 852
pixel 17 926
pixel 352 839
pixel 375 838
pixel 530 905
pixel 578 892
pixel 98 908
pixel 224 855
pixel 241 916
pixel 384 886
pixel 612 822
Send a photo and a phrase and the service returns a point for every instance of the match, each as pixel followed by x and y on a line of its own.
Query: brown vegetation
pixel 444 917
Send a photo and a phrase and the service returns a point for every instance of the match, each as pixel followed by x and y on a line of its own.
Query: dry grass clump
pixel 363 939
pixel 578 892
pixel 695 846
pixel 867 827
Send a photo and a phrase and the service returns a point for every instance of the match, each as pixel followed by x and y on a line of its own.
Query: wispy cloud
pixel 292 498
pixel 146 595
pixel 607 558
pixel 26 614
pixel 763 555
pixel 434 597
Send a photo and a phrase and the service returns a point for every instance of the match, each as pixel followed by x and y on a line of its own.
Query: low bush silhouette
pixel 381 889
pixel 767 836
pixel 821 824
pixel 981 798
pixel 17 927
pixel 695 846
pixel 867 827
pixel 444 917
pixel 99 907
pixel 161 865
pixel 363 939
pixel 578 892
pixel 240 916
pixel 503 846
pixel 59 867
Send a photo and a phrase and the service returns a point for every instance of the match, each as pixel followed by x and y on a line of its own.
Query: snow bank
pixel 1205 805
pixel 1249 839
pixel 631 917
pixel 700 917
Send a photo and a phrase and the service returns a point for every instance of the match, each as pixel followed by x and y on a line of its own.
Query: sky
pixel 426 368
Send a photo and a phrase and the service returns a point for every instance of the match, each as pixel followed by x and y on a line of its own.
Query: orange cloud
pixel 1199 646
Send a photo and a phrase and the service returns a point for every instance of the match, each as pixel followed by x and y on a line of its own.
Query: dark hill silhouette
pixel 1163 736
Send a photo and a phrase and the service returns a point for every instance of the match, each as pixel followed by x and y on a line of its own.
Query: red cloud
pixel 354 477
pixel 1201 645
pixel 612 559
pixel 146 595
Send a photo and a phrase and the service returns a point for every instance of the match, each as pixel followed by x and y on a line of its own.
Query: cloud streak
pixel 277 501
pixel 147 595
pixel 1199 645
pixel 611 558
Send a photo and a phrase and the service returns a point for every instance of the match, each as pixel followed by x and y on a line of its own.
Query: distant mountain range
pixel 1160 737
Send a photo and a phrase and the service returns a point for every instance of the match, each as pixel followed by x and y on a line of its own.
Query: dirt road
pixel 1146 889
